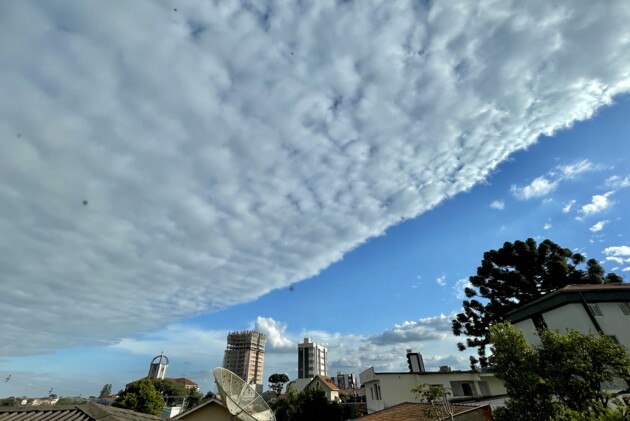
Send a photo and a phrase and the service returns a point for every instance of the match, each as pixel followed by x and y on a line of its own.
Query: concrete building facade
pixel 384 390
pixel 245 356
pixel 312 360
pixel 603 309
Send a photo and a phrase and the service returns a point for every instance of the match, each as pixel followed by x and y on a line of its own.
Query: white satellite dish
pixel 240 398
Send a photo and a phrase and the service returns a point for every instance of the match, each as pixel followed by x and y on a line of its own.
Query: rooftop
pixel 85 412
pixel 572 294
pixel 409 411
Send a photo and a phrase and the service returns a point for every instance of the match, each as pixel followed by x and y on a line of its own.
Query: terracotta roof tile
pixel 409 411
pixel 86 412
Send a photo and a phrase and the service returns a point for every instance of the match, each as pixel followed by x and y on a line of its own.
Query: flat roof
pixel 571 294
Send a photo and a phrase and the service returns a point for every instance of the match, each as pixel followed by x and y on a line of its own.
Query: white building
pixel 312 360
pixel 383 390
pixel 603 309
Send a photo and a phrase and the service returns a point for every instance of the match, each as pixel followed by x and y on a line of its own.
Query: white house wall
pixel 384 390
pixel 574 317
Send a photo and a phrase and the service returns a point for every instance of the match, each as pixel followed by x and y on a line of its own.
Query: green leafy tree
pixel 70 400
pixel 308 405
pixel 10 401
pixel 437 396
pixel 141 396
pixel 285 406
pixel 517 274
pixel 176 393
pixel 277 382
pixel 106 391
pixel 559 379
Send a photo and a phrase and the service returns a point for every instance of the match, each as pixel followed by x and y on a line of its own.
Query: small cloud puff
pixel 599 203
pixel 598 226
pixel 547 226
pixel 498 205
pixel 441 280
pixel 543 185
pixel 538 188
pixel 567 207
pixel 617 182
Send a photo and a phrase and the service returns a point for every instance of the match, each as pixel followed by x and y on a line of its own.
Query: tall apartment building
pixel 312 360
pixel 345 380
pixel 245 356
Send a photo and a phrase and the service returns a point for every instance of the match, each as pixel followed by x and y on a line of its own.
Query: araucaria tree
pixel 277 382
pixel 517 274
pixel 106 391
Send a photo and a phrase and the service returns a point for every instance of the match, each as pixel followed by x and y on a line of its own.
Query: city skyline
pixel 332 170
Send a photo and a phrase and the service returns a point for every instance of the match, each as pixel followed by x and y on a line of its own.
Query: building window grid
pixel 625 308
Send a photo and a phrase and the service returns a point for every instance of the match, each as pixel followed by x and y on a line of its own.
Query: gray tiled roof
pixel 86 412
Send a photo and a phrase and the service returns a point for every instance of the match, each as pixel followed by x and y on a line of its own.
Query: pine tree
pixel 515 275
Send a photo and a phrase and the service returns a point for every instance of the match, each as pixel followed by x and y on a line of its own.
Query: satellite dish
pixel 240 398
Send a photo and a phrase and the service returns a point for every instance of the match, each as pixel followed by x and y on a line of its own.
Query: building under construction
pixel 245 356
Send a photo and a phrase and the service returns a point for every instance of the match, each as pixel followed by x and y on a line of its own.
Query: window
pixel 463 389
pixel 625 308
pixel 596 310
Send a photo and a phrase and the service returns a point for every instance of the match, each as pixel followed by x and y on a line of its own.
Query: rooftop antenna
pixel 240 398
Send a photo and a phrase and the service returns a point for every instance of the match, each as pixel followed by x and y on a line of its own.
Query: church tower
pixel 157 369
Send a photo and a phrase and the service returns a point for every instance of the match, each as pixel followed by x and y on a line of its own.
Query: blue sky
pixel 333 170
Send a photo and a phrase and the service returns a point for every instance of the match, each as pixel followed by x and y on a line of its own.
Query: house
pixel 187 383
pixel 602 308
pixel 326 385
pixel 85 412
pixel 384 390
pixel 210 410
pixel 413 411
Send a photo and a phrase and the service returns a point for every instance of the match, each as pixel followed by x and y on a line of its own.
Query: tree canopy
pixel 559 379
pixel 141 396
pixel 308 405
pixel 517 274
pixel 176 393
pixel 106 391
pixel 277 381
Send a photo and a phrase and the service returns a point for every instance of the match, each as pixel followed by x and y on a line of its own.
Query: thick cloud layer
pixel 159 163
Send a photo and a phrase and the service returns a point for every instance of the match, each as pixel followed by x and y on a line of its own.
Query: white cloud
pixel 567 207
pixel 547 226
pixel 275 333
pixel 543 185
pixel 618 260
pixel 617 251
pixel 246 150
pixel 537 188
pixel 617 182
pixel 430 328
pixel 459 288
pixel 574 169
pixel 441 280
pixel 626 269
pixel 598 226
pixel 498 205
pixel 599 203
